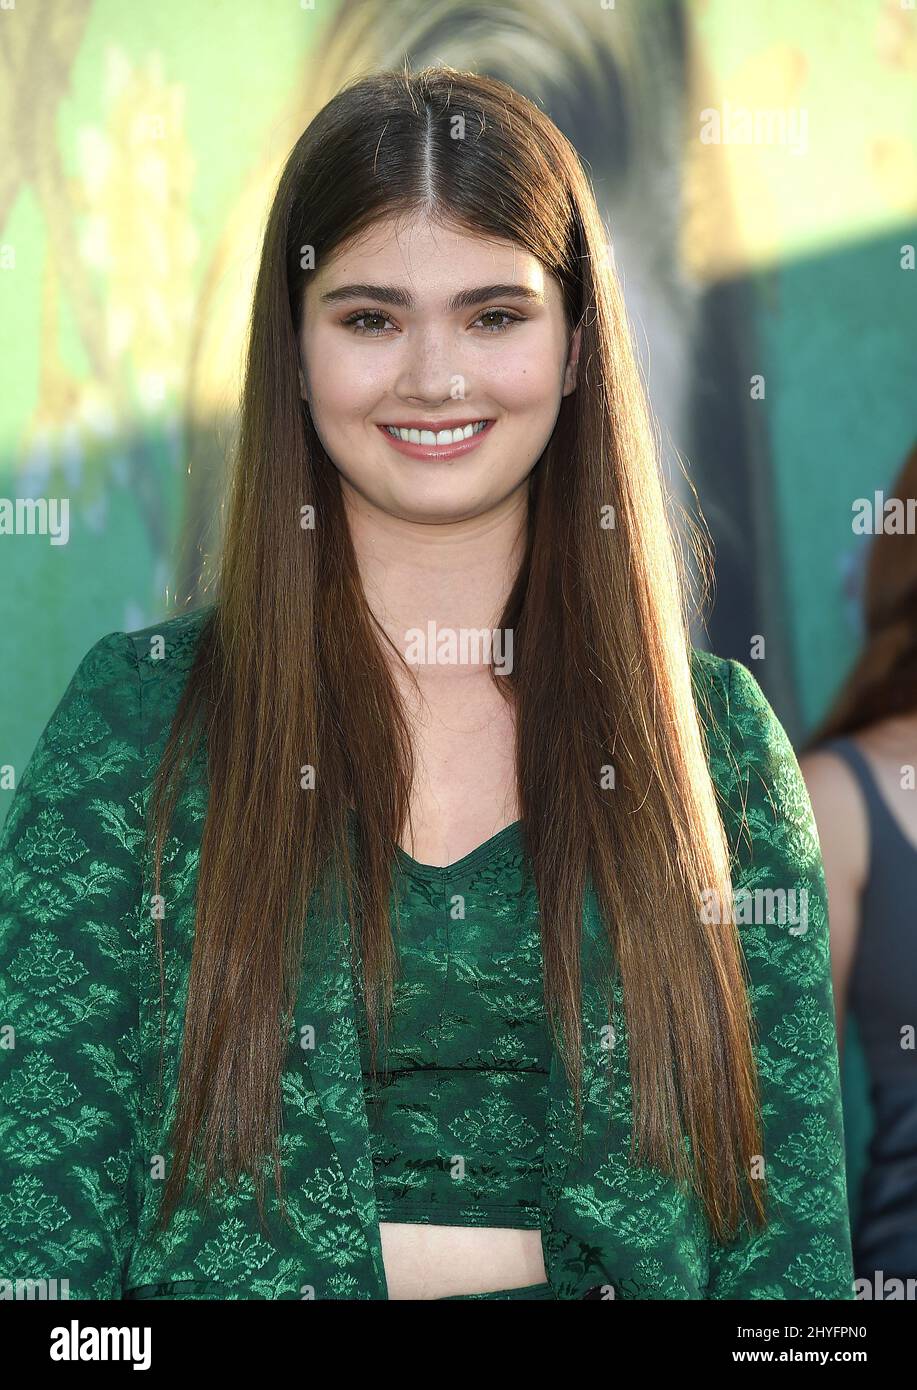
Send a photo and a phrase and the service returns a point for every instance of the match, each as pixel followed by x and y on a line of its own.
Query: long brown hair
pixel 883 681
pixel 290 671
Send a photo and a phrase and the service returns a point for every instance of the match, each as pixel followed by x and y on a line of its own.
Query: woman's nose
pixel 431 368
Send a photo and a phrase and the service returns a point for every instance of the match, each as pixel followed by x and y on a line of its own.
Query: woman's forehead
pixel 428 261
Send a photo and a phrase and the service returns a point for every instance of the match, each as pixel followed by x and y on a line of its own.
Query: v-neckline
pixel 510 834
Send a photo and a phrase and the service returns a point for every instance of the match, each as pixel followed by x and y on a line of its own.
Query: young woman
pixel 400 879
pixel 859 768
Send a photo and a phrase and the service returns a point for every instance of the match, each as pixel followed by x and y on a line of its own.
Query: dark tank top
pixel 883 1000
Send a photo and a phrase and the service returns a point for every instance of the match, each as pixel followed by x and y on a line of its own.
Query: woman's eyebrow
pixel 403 299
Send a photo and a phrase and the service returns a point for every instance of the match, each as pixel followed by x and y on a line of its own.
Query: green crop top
pixel 457 1118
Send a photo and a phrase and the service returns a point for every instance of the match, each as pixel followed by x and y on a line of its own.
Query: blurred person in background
pixel 859 766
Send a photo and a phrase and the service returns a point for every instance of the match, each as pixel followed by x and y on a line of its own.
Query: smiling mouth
pixel 442 444
pixel 439 437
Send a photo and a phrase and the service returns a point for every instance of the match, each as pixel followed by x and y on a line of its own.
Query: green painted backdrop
pixel 140 148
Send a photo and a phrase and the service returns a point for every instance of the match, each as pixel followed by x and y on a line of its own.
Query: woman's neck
pixel 455 575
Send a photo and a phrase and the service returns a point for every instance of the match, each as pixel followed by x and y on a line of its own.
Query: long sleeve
pixel 70 931
pixel 804 1252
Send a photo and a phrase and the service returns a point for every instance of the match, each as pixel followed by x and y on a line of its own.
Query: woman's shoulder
pixel 732 685
pixel 752 761
pixel 139 674
pixel 121 694
pixel 733 707
pixel 166 649
pixel 148 655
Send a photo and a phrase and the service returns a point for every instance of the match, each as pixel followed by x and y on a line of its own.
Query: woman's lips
pixel 437 451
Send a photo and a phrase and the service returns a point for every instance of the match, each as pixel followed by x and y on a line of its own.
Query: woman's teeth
pixel 442 437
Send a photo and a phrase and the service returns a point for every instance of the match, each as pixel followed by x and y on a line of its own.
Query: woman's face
pixel 422 328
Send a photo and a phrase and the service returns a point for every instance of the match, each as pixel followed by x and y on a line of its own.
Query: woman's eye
pixel 354 319
pixel 364 316
pixel 500 313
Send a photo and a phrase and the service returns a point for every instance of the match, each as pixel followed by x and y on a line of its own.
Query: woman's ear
pixel 572 362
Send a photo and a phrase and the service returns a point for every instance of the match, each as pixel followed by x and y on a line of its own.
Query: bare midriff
pixel 426 1261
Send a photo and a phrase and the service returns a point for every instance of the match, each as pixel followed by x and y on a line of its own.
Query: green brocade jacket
pixel 83 1147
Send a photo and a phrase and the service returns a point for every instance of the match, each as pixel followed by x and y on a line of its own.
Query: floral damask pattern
pixel 84 1126
pixel 457 1117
